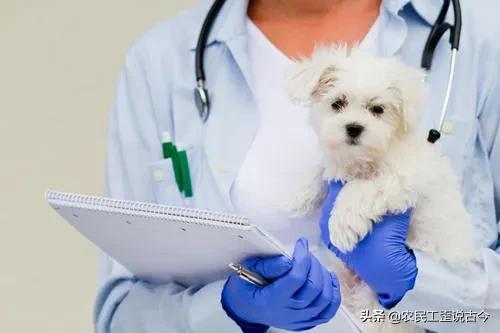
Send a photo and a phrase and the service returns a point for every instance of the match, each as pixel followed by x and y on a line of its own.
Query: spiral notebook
pixel 161 243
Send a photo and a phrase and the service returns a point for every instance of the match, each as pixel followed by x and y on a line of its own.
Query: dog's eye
pixel 339 104
pixel 376 109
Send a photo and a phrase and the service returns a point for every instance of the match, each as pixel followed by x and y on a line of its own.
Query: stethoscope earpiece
pixel 433 136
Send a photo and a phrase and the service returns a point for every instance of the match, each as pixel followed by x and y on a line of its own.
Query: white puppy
pixel 366 111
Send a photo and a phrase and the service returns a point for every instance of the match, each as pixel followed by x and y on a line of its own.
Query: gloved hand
pixel 303 293
pixel 381 259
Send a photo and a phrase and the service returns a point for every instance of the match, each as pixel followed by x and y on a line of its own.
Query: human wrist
pixel 246 327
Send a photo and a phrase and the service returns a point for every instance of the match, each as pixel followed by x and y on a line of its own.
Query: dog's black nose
pixel 354 130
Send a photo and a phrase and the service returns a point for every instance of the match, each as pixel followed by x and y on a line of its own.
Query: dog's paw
pixel 343 238
pixel 347 228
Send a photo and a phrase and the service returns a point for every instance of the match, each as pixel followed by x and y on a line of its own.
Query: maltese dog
pixel 366 111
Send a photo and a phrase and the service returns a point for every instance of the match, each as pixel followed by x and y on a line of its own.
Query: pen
pixel 248 276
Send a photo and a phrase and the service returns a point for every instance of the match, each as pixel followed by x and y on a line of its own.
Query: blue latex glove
pixel 303 293
pixel 382 258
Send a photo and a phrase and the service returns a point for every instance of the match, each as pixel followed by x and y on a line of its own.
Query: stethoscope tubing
pixel 439 28
pixel 449 86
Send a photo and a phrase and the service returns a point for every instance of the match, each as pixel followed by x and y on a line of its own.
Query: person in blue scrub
pixel 232 158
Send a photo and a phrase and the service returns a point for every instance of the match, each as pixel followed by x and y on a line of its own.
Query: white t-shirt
pixel 285 147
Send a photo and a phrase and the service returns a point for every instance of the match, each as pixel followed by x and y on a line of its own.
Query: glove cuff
pixel 389 301
pixel 245 327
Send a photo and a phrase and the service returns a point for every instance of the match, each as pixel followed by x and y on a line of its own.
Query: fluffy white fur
pixel 388 168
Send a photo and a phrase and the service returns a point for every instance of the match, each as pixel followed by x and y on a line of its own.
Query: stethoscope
pixel 439 28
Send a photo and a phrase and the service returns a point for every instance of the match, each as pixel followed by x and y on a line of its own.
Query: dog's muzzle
pixel 353 131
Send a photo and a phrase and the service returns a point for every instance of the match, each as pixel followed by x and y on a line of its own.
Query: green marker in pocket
pixel 167 145
pixel 185 172
pixel 170 151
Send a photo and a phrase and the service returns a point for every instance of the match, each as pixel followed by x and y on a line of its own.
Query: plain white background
pixel 59 62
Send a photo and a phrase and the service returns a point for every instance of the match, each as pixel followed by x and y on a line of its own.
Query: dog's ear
pixel 309 79
pixel 410 85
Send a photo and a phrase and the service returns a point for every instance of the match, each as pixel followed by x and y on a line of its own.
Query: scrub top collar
pixel 230 22
pixel 428 10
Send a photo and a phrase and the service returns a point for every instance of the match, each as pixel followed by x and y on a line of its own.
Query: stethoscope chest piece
pixel 202 102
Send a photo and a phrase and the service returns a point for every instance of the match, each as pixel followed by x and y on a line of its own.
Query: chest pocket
pixel 165 188
pixel 455 142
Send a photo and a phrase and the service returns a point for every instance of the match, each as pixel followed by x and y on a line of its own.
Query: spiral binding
pixel 145 209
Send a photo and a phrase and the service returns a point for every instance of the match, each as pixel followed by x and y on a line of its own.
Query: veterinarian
pixel 254 145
